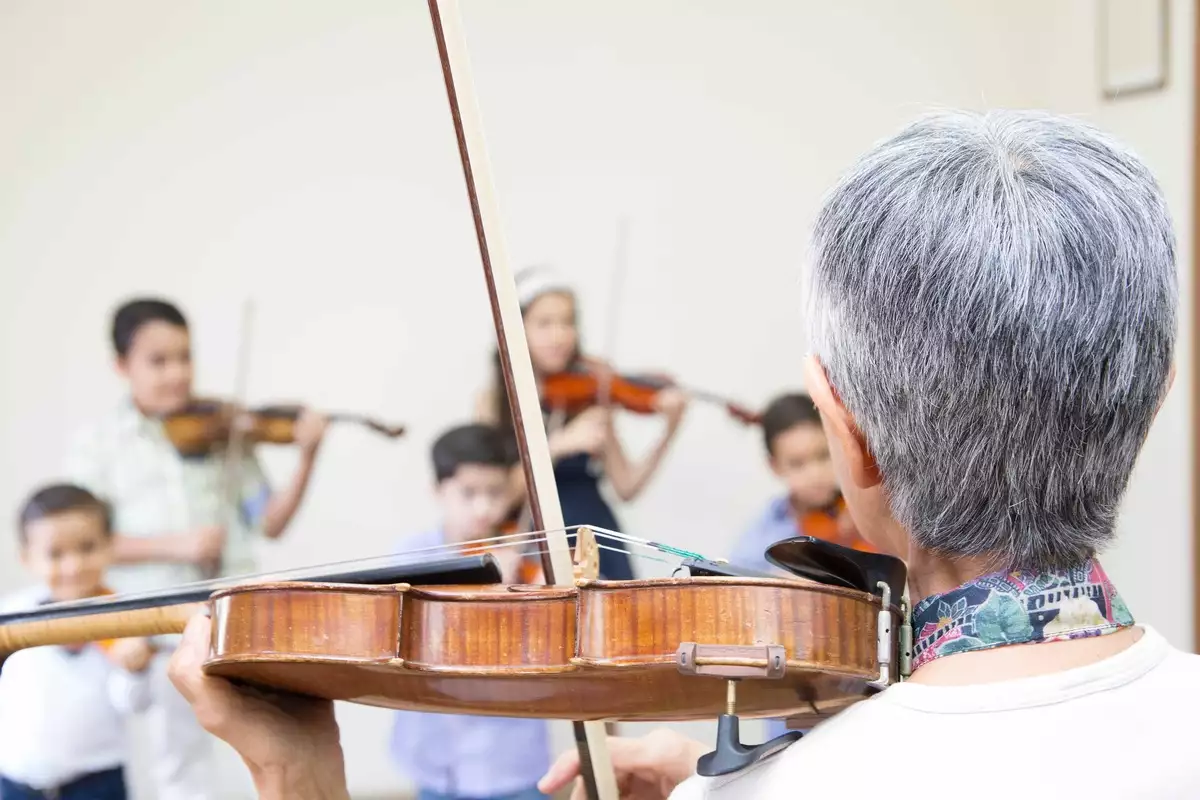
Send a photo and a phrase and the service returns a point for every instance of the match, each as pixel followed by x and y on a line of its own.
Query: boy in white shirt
pixel 175 519
pixel 63 709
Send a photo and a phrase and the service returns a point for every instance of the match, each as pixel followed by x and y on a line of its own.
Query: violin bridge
pixel 587 555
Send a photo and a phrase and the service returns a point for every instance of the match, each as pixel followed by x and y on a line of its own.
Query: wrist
pixel 318 777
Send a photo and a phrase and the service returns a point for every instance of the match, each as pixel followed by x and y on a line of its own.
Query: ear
pixel 1167 389
pixel 121 366
pixel 840 424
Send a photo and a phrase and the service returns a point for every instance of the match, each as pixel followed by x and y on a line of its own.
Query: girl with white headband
pixel 586 446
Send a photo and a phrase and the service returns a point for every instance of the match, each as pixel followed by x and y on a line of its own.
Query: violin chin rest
pixel 825 562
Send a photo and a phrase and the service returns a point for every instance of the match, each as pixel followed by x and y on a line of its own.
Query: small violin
pixel 575 390
pixel 833 524
pixel 205 425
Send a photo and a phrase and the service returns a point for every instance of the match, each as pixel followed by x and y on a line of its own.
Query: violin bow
pixel 590 737
pixel 234 448
pixel 604 396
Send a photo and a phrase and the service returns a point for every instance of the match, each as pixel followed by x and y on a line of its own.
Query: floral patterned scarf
pixel 1017 607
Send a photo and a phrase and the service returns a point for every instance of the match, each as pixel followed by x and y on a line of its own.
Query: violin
pixel 410 637
pixel 206 425
pixel 581 388
pixel 833 524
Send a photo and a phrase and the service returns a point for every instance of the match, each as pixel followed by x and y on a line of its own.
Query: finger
pixel 185 668
pixel 580 791
pixel 561 772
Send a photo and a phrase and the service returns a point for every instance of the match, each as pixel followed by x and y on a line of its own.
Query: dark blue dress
pixel 582 504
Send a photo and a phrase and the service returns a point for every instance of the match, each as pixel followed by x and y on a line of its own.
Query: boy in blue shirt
pixel 455 757
pixel 798 454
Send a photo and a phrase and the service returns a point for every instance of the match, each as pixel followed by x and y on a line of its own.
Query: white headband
pixel 533 282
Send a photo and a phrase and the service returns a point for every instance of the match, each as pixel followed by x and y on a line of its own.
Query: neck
pixel 929 574
pixel 973 623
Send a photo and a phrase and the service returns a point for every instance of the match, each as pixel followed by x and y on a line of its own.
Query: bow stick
pixel 235 447
pixel 515 363
pixel 614 305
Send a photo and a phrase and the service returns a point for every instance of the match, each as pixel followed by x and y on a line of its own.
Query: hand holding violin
pixel 310 430
pixel 290 744
pixel 586 433
pixel 672 402
pixel 131 655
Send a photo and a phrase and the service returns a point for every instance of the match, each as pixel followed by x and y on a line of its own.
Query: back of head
pixel 60 498
pixel 130 316
pixel 994 300
pixel 475 443
pixel 786 412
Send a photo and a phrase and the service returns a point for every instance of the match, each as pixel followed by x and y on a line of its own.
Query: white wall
pixel 301 154
pixel 1151 562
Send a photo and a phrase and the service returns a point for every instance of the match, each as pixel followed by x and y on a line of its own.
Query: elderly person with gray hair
pixel 994 308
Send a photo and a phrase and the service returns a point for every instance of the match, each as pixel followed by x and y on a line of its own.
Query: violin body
pixel 602 650
pixel 573 392
pixel 834 524
pixel 576 390
pixel 206 425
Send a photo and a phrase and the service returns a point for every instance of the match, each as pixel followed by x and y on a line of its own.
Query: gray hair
pixel 994 300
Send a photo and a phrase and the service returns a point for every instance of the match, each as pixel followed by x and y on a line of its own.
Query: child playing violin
pixel 798 454
pixel 62 709
pixel 453 757
pixel 584 446
pixel 176 518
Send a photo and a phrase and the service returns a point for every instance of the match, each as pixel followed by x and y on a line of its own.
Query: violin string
pixel 642 556
pixel 299 574
pixel 413 557
pixel 532 537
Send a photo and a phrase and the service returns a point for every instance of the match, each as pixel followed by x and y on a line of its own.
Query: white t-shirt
pixel 1121 728
pixel 62 714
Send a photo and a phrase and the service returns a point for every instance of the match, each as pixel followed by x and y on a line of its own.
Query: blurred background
pixel 300 154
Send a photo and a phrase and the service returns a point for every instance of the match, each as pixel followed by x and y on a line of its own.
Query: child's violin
pixel 578 389
pixel 205 425
pixel 833 524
